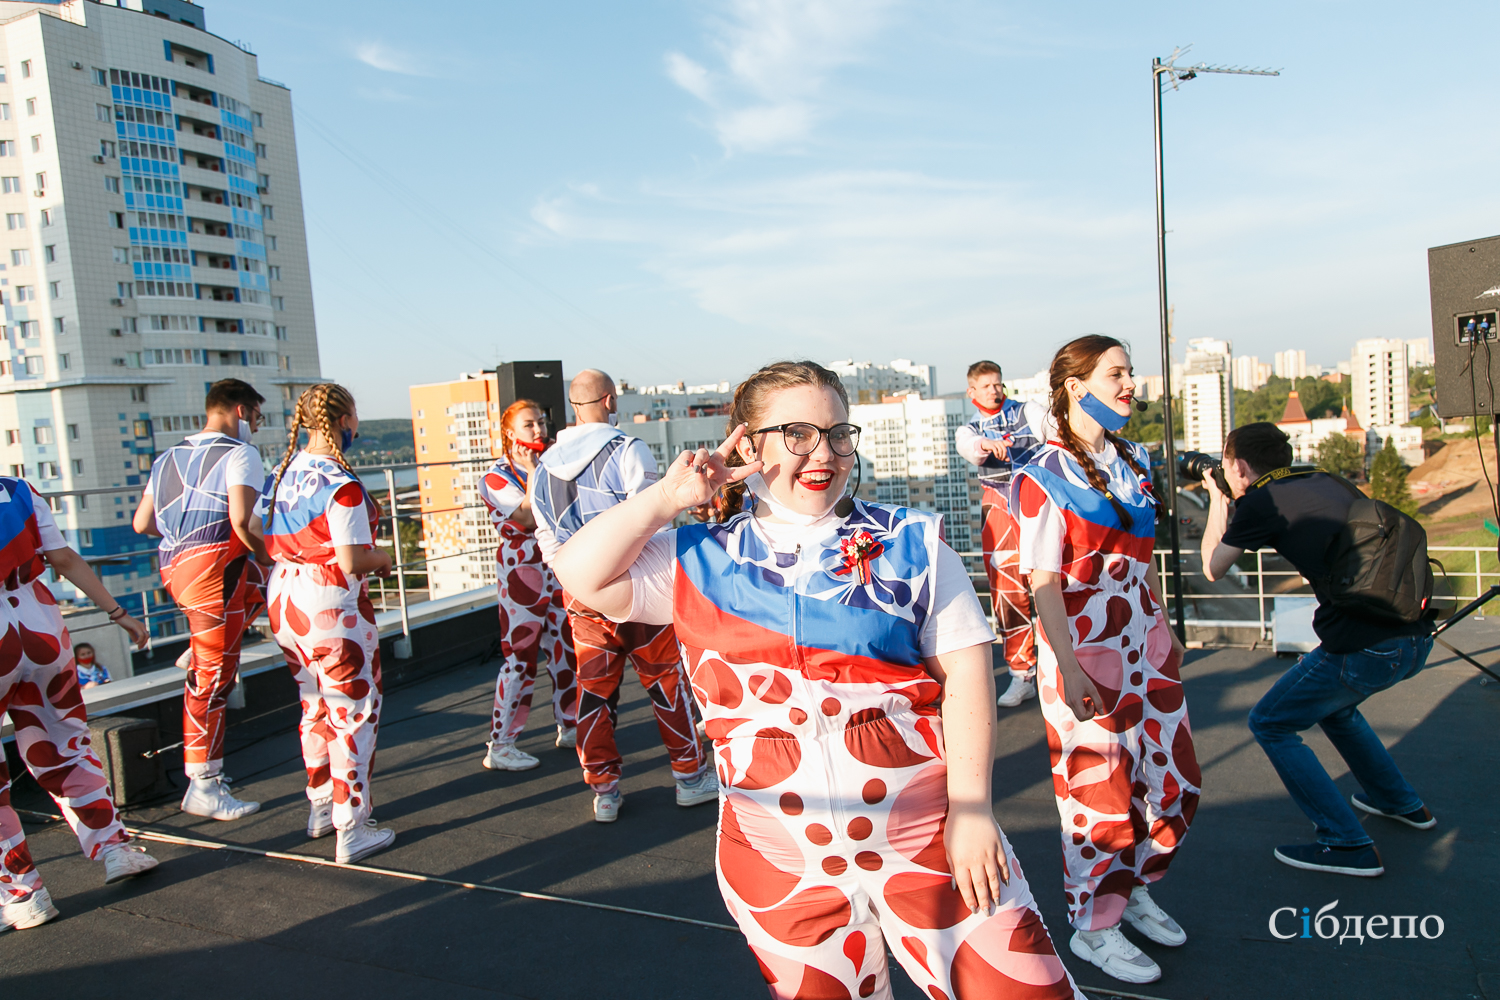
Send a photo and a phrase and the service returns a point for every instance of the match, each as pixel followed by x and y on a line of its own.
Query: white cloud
pixel 384 58
pixel 777 56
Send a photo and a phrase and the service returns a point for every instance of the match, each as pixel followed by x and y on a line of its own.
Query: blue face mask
pixel 346 438
pixel 1101 411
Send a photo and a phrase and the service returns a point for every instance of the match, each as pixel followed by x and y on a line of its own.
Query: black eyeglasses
pixel 802 438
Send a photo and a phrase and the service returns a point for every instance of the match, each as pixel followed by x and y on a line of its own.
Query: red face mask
pixel 84 659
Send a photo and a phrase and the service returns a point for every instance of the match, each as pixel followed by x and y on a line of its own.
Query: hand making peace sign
pixel 694 478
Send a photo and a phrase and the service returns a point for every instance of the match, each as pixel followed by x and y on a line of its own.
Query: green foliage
pixel 1268 403
pixel 382 441
pixel 1146 426
pixel 1388 480
pixel 1342 457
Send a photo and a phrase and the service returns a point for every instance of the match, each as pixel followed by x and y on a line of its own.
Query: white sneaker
pixel 505 757
pixel 1113 953
pixel 123 861
pixel 567 737
pixel 1144 915
pixel 210 797
pixel 361 842
pixel 607 806
pixel 33 911
pixel 1020 690
pixel 704 787
pixel 320 818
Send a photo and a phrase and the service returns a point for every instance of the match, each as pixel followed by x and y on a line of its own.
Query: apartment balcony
pixel 199 145
pixel 209 243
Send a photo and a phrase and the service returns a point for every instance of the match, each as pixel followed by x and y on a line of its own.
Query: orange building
pixel 456 426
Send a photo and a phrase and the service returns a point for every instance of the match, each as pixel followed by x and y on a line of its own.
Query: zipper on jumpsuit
pixel 835 803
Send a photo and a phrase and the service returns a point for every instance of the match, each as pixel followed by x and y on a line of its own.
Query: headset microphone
pixel 1142 405
pixel 845 506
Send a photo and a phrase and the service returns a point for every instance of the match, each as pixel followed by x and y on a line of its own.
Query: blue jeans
pixel 1325 689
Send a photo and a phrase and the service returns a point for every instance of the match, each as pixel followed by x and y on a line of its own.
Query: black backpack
pixel 1378 567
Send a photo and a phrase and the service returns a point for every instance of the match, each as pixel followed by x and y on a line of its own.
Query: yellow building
pixel 456 426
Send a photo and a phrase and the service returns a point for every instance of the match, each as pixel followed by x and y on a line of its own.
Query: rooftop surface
pixel 241 925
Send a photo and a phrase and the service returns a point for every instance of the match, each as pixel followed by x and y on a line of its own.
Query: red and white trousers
pixel 325 624
pixel 532 621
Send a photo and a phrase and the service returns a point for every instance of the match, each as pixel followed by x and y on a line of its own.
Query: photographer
pixel 1298 514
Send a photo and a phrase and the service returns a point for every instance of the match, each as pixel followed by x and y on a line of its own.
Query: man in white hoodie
pixel 592 467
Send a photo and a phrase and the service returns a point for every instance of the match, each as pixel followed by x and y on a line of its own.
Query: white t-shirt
pixel 956 621
pixel 46 524
pixel 241 467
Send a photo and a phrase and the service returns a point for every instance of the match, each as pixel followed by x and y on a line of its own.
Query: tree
pixel 1268 403
pixel 1388 480
pixel 1341 456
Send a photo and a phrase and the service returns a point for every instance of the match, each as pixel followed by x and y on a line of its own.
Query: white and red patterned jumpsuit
pixel 324 622
pixel 39 688
pixel 1127 780
pixel 532 617
pixel 829 747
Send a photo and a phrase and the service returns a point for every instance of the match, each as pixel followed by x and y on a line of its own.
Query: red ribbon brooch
pixel 857 550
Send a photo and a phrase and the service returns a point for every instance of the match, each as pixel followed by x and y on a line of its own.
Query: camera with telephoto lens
pixel 1195 467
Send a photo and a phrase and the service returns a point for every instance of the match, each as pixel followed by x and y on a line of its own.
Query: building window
pixel 46 470
pixel 25 293
pixel 36 144
pixel 46 217
pixel 42 435
pixel 104 112
pixel 263 181
pixel 137 394
pixel 18 471
pixel 117 220
pixel 4 112
pixel 72 432
pixel 260 149
pixel 281 333
pixel 273 271
pixel 64 363
pixel 106 149
pixel 20 258
pixel 54 289
pixel 100 78
pixel 15 220
pixel 278 303
pixel 59 325
pixel 49 253
pixel 30 107
pixel 35 366
pixel 29 328
pixel 122 255
pixel 112 185
pixel 25 69
pixel 10 185
pixel 12 437
pixel 77 466
pixel 270 243
pixel 124 290
pixel 7 147
pixel 268 213
pixel 41 182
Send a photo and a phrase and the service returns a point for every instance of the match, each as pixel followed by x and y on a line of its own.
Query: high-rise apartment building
pixel 1249 373
pixel 1290 364
pixel 911 460
pixel 1419 352
pixel 1379 383
pixel 870 383
pixel 1207 394
pixel 153 244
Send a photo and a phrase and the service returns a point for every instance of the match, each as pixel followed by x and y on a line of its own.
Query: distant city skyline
pixel 685 190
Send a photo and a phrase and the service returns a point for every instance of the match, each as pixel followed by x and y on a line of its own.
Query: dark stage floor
pixel 212 923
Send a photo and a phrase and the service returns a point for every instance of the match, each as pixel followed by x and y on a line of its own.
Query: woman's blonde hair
pixel 750 399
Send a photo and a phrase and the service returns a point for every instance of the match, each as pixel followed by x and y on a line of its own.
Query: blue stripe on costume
pixel 1085 502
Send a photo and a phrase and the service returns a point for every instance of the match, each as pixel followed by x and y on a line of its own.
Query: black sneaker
pixel 1421 817
pixel 1363 861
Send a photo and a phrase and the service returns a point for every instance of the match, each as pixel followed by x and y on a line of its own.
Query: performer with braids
pixel 842 662
pixel 39 688
pixel 321 533
pixel 531 603
pixel 592 467
pixel 1000 440
pixel 1122 754
pixel 201 502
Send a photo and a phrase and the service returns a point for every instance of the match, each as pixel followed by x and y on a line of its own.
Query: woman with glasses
pixel 531 605
pixel 842 662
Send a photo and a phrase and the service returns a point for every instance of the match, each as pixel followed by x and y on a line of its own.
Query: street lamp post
pixel 1165 71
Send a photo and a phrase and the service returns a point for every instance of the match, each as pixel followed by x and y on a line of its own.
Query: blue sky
pixel 685 189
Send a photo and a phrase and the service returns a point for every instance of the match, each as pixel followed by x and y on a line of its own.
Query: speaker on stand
pixel 539 381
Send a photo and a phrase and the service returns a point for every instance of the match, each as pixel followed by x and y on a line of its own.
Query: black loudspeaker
pixel 539 381
pixel 1465 283
pixel 121 744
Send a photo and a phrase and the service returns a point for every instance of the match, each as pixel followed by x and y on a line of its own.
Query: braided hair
pixel 1078 359
pixel 507 420
pixel 318 409
pixel 750 398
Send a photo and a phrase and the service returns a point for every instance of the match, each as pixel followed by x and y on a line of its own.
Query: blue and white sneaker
pixel 702 787
pixel 1421 817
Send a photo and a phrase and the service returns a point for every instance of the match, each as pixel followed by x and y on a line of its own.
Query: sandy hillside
pixel 1451 483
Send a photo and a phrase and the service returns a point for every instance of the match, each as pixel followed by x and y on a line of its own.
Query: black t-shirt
pixel 1298 517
